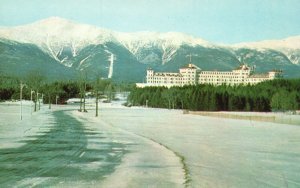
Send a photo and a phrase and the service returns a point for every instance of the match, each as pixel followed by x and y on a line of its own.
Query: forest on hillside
pixel 274 95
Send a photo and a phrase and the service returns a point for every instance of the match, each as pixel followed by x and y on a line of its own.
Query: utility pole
pixel 38 100
pixel 97 98
pixel 56 99
pixel 49 100
pixel 84 110
pixel 31 92
pixel 80 109
pixel 39 104
pixel 21 92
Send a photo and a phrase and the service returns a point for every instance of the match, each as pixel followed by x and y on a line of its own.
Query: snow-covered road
pixel 144 147
pixel 77 150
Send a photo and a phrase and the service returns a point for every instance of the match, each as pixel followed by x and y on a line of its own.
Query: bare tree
pixel 82 87
pixel 34 81
pixel 109 92
pixel 96 88
pixel 99 86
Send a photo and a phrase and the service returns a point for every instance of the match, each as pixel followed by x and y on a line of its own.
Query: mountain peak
pixel 287 43
pixel 54 20
pixel 64 29
pixel 56 30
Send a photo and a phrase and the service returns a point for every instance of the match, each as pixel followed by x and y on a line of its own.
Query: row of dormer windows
pixel 219 76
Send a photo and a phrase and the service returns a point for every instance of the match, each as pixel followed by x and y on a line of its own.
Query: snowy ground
pixel 14 131
pixel 144 147
pixel 278 117
pixel 220 152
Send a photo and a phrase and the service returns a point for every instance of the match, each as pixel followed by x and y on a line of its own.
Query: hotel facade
pixel 191 75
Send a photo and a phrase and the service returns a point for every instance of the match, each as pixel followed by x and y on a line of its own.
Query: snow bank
pixel 278 117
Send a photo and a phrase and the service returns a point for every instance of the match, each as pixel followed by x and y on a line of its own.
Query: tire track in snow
pixel 59 155
pixel 187 176
pixel 186 172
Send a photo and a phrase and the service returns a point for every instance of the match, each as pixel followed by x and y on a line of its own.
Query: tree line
pixel 274 95
pixel 65 89
pixel 10 88
pixel 37 87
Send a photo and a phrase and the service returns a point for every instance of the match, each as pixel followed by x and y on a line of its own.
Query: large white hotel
pixel 191 74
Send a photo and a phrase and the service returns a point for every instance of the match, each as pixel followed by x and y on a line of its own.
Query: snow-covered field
pixel 147 147
pixel 220 152
pixel 292 118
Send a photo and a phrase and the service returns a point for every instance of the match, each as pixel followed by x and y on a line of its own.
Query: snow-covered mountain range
pixel 289 46
pixel 54 34
pixel 85 47
pixel 288 43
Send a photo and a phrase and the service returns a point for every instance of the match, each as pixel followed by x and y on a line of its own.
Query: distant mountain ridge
pixel 83 47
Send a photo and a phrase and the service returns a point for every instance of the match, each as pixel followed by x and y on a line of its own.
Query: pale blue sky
pixel 220 21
